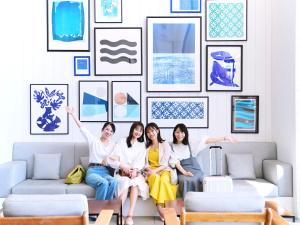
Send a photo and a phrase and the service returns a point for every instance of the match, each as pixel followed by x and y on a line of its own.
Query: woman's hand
pixel 125 168
pixel 231 139
pixel 188 173
pixel 133 173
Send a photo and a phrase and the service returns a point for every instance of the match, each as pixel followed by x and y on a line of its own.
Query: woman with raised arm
pixel 97 174
pixel 190 174
pixel 130 152
pixel 157 168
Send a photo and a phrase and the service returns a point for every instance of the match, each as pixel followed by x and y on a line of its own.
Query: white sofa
pixel 16 176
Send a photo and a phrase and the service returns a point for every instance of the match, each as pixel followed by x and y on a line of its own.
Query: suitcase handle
pixel 215 146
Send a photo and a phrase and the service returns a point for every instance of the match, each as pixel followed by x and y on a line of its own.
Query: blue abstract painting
pixel 174 53
pixel 68 20
pixel 82 64
pixel 245 114
pixel 92 105
pixel 50 101
pixel 189 4
pixel 110 8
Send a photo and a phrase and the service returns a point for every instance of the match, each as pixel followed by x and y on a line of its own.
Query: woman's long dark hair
pixel 133 126
pixel 183 129
pixel 153 126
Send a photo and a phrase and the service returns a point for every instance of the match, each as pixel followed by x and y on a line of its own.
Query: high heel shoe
pixel 129 220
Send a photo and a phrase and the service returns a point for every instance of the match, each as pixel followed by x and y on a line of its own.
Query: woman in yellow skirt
pixel 157 168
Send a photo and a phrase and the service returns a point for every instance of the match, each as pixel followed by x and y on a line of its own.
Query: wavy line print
pixel 118 51
pixel 117 43
pixel 117 60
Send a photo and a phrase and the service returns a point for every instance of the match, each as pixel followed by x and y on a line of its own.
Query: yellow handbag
pixel 76 175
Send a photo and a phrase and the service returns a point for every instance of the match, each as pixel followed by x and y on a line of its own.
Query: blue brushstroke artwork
pixel 177 110
pixel 50 101
pixel 189 4
pixel 109 8
pixel 67 21
pixel 82 64
pixel 93 105
pixel 245 114
pixel 223 69
pixel 129 110
pixel 174 53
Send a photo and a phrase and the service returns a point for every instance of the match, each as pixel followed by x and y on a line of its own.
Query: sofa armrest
pixel 11 173
pixel 280 174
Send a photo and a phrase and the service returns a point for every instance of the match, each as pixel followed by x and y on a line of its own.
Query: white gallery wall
pixel 25 61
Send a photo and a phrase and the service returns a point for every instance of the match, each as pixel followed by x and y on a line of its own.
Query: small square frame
pixel 114 12
pixel 82 66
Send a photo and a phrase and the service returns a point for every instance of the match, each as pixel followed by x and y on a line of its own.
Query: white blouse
pixel 97 150
pixel 135 156
pixel 181 151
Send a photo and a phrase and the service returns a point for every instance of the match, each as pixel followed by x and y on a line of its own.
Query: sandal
pixel 129 220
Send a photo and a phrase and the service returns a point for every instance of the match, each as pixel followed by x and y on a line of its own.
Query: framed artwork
pixel 93 101
pixel 244 114
pixel 108 11
pixel 47 109
pixel 226 20
pixel 224 68
pixel 173 54
pixel 169 111
pixel 82 66
pixel 118 51
pixel 185 6
pixel 126 101
pixel 68 25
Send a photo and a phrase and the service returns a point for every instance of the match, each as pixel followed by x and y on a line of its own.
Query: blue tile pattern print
pixel 67 21
pixel 226 20
pixel 50 101
pixel 177 110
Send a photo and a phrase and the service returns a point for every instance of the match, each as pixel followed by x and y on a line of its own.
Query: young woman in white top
pixel 190 174
pixel 98 175
pixel 130 152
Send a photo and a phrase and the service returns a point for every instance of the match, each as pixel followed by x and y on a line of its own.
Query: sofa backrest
pixel 259 150
pixel 70 154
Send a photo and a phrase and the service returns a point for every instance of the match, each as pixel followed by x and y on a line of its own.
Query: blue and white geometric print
pixel 177 110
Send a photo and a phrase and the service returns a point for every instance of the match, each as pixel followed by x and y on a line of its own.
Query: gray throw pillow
pixel 240 166
pixel 46 166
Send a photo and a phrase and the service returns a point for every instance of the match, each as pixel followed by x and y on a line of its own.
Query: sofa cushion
pixel 240 166
pixel 40 187
pixel 44 205
pixel 84 161
pixel 81 188
pixel 46 166
pixel 260 186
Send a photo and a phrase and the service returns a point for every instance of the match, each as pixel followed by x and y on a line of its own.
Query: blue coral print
pixel 50 101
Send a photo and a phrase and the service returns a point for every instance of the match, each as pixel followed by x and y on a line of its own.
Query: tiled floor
pixel 140 221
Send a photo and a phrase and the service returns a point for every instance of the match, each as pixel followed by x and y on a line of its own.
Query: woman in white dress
pixel 130 155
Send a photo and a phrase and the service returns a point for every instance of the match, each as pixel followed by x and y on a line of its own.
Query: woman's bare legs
pixel 133 198
pixel 160 212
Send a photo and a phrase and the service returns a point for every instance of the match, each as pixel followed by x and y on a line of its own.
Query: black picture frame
pixel 76 41
pixel 224 68
pixel 100 18
pixel 93 97
pixel 178 68
pixel 118 51
pixel 178 110
pixel 47 109
pixel 126 101
pixel 220 17
pixel 245 114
